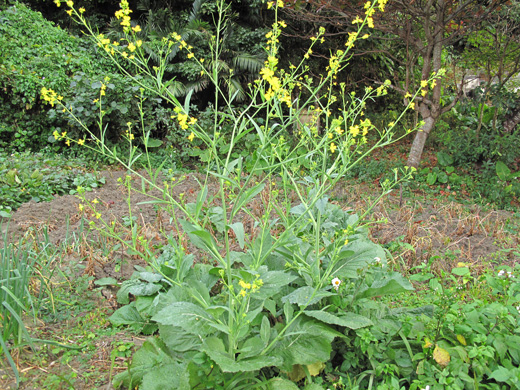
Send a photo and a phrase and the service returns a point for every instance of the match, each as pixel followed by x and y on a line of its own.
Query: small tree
pixel 421 31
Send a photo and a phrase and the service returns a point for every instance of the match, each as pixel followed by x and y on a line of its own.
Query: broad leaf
pixel 359 252
pixel 304 296
pixel 214 348
pixel 238 229
pixel 309 341
pixel 281 384
pixel 394 283
pixel 188 316
pixel 348 320
pixel 273 282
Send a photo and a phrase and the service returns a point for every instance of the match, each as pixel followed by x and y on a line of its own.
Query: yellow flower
pixel 70 3
pixel 190 55
pixel 346 242
pixel 69 12
pixel 81 142
pixel 357 20
pixel 136 28
pixel 339 130
pixel 191 136
pixel 57 2
pixel 333 147
pixel 408 95
pixel 242 293
pixel 95 201
pixel 270 4
pixel 354 130
pixel 330 135
pixel 412 105
pixel 67 142
pixel 81 10
pixel 244 285
pixel 131 47
pixel 424 83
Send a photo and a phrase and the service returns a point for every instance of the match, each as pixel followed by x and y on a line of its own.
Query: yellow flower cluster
pixel 335 64
pixel 182 118
pixel 124 14
pixel 255 286
pixel 50 96
pixel 279 4
pixel 63 136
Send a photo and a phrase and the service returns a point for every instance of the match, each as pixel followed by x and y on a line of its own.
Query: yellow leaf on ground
pixel 441 356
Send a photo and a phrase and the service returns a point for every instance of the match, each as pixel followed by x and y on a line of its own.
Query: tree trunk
pixel 512 120
pixel 414 157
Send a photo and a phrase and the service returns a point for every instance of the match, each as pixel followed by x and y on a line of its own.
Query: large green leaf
pixel 393 283
pixel 308 341
pixel 200 238
pixel 214 348
pixel 304 296
pixel 360 252
pixel 172 376
pixel 503 172
pixel 137 288
pixel 178 340
pixel 348 320
pixel 273 282
pixel 281 384
pixel 188 316
pixel 150 357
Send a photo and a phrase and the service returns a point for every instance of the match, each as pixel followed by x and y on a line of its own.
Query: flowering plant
pixel 267 283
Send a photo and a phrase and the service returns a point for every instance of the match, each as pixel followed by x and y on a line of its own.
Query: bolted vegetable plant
pixel 281 272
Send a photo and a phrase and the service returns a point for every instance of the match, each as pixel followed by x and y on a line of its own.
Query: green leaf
pixel 178 340
pixel 431 179
pixel 304 296
pixel 153 143
pixel 503 172
pixel 359 252
pixel 308 341
pixel 148 362
pixel 348 320
pixel 501 374
pixel 106 282
pixel 136 288
pixel 238 229
pixel 216 216
pixel 393 284
pixel 273 282
pixel 214 348
pixel 172 376
pixel 126 315
pixel 246 196
pixel 200 238
pixel 444 159
pixel 281 384
pixel 460 271
pixel 313 386
pixel 265 330
pixel 188 316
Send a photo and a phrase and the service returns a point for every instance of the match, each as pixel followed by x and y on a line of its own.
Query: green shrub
pixel 34 53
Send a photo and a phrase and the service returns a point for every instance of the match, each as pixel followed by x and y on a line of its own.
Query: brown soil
pixel 413 232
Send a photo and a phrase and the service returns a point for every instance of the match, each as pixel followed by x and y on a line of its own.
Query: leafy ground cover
pixel 33 177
